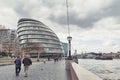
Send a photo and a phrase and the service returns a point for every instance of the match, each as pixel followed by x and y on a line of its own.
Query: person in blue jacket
pixel 17 65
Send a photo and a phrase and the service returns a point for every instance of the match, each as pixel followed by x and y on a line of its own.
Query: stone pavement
pixel 38 71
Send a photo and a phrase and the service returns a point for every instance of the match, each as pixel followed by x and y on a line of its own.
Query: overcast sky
pixel 94 24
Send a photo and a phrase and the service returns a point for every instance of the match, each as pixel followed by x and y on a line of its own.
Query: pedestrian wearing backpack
pixel 27 62
pixel 17 65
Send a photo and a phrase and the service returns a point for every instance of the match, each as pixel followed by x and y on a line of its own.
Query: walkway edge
pixel 80 73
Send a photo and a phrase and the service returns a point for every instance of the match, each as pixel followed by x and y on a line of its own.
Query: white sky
pixel 94 24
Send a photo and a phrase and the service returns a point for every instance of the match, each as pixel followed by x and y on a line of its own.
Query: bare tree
pixel 6 45
pixel 28 47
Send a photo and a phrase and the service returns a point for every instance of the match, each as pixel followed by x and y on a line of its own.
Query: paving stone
pixel 38 71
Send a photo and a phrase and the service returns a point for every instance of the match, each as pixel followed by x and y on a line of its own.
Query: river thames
pixel 105 69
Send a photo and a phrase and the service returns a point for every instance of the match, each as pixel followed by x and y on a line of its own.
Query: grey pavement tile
pixel 38 71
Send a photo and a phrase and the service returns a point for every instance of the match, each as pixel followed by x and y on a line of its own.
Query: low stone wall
pixel 79 73
pixel 73 73
pixel 5 64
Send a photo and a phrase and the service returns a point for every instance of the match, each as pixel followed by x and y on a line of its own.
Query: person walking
pixel 75 59
pixel 27 62
pixel 17 65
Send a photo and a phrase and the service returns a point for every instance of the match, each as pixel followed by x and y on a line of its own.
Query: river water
pixel 105 69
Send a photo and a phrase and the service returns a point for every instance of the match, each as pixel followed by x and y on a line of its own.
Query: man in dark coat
pixel 17 65
pixel 27 62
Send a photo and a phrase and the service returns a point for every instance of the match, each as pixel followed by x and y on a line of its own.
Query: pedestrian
pixel 27 62
pixel 75 59
pixel 55 58
pixel 48 58
pixel 44 61
pixel 17 65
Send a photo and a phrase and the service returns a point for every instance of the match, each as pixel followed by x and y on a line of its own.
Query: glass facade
pixel 65 48
pixel 35 32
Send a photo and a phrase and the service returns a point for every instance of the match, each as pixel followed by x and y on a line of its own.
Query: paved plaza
pixel 38 71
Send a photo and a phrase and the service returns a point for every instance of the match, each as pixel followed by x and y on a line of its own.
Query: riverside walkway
pixel 38 71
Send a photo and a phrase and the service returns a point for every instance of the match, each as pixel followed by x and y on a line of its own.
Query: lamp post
pixel 69 38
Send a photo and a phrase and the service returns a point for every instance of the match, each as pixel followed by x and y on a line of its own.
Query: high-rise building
pixel 7 40
pixel 37 38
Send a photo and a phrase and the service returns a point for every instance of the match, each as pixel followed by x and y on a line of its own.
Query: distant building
pixel 7 40
pixel 35 37
pixel 4 34
pixel 65 48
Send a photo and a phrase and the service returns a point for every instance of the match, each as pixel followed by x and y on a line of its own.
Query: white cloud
pixel 86 7
pixel 109 23
pixel 106 30
pixel 8 17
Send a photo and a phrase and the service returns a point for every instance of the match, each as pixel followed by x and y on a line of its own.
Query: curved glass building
pixel 39 37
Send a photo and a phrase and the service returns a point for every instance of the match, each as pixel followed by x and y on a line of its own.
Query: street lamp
pixel 69 38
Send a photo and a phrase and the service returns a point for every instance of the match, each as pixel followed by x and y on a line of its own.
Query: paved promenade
pixel 38 71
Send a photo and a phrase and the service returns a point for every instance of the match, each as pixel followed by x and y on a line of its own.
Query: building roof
pixel 27 19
